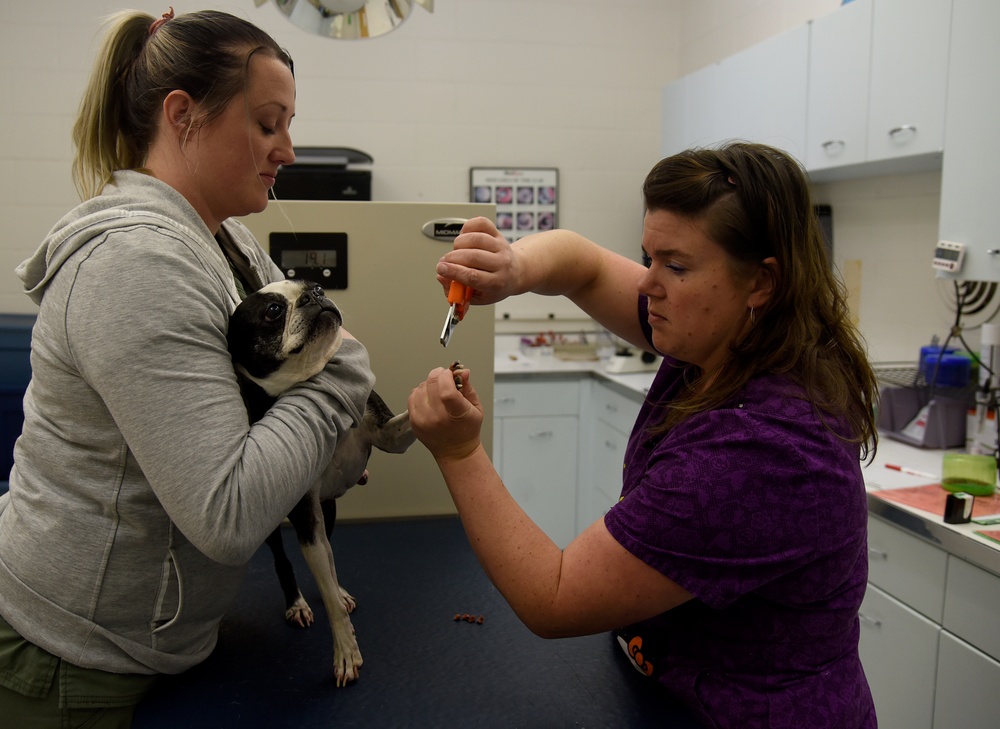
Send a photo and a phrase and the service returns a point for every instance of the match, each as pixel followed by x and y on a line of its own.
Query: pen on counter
pixel 911 471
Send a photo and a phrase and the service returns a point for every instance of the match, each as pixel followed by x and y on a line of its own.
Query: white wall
pixel 714 29
pixel 885 229
pixel 563 83
pixel 572 84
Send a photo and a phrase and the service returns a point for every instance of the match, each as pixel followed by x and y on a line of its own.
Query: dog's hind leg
pixel 310 528
pixel 297 610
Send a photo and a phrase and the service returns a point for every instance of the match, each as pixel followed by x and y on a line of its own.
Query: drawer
pixel 907 567
pixel 608 453
pixel 538 397
pixel 970 606
pixel 898 649
pixel 617 410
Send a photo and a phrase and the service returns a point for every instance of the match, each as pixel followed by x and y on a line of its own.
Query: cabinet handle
pixel 873 622
pixel 907 129
pixel 611 445
pixel 877 553
pixel 541 434
pixel 504 401
pixel 611 408
pixel 834 147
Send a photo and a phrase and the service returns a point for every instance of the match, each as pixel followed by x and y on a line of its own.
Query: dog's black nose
pixel 314 295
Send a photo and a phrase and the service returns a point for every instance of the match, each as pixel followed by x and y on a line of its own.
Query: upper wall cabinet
pixel 758 94
pixel 858 91
pixel 877 88
pixel 839 54
pixel 970 172
pixel 909 74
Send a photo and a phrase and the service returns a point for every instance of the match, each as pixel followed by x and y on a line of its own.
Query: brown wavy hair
pixel 207 54
pixel 755 202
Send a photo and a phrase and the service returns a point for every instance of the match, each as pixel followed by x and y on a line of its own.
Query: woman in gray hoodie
pixel 139 489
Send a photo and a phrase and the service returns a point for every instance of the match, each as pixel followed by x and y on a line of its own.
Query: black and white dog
pixel 279 336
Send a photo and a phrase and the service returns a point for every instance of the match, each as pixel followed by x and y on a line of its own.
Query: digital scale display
pixel 317 257
pixel 308 259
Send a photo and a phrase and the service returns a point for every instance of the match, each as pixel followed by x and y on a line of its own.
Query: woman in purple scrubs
pixel 733 565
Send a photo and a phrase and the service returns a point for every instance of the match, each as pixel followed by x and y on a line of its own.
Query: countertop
pixel 960 540
pixel 512 364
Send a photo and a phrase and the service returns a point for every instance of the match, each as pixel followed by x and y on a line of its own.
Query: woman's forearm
pixel 602 283
pixel 557 263
pixel 515 553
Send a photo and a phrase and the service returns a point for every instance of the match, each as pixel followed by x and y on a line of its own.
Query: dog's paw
pixel 349 602
pixel 299 614
pixel 347 663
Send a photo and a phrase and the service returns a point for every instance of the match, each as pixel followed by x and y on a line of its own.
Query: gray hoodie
pixel 139 489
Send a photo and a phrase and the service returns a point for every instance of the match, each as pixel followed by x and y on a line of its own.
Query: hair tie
pixel 160 21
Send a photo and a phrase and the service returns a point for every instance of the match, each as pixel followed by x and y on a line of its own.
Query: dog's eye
pixel 318 291
pixel 274 312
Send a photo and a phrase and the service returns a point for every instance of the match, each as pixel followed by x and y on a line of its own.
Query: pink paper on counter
pixel 993 534
pixel 932 497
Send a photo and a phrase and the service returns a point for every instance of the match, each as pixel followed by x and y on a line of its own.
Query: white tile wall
pixel 573 84
pixel 567 84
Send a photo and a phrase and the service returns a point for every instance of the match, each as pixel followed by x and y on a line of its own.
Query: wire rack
pixel 907 374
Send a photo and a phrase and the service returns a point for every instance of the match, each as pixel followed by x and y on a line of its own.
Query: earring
pixel 751 316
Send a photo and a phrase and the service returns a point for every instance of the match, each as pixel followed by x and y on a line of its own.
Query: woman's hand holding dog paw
pixel 446 419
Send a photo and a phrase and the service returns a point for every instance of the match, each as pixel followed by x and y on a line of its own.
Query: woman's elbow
pixel 549 625
pixel 231 551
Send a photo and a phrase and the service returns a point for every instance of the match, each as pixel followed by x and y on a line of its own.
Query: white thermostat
pixel 948 256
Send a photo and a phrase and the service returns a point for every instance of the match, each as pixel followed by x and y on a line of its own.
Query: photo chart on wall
pixel 526 197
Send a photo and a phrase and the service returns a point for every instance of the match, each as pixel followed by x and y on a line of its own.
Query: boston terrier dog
pixel 278 336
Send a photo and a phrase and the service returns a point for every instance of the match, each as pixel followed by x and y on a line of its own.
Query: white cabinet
pixel 969 657
pixel 535 448
pixel 758 94
pixel 559 446
pixel 839 55
pixel 966 692
pixel 899 653
pixel 692 111
pixel 909 73
pixel 970 175
pixel 864 85
pixel 762 92
pixel 909 568
pixel 970 610
pixel 900 621
pixel 878 74
pixel 929 643
pixel 608 417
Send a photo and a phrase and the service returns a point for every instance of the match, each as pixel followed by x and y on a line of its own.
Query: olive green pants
pixel 40 691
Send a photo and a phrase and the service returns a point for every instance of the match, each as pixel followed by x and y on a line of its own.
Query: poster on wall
pixel 526 197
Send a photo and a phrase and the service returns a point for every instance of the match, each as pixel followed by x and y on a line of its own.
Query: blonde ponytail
pixel 101 144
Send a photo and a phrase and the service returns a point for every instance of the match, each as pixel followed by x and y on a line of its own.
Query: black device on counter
pixel 323 173
pixel 958 508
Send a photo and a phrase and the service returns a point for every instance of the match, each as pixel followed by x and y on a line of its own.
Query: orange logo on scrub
pixel 635 652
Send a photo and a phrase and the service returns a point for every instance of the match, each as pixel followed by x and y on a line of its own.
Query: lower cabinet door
pixel 539 469
pixel 899 649
pixel 968 687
